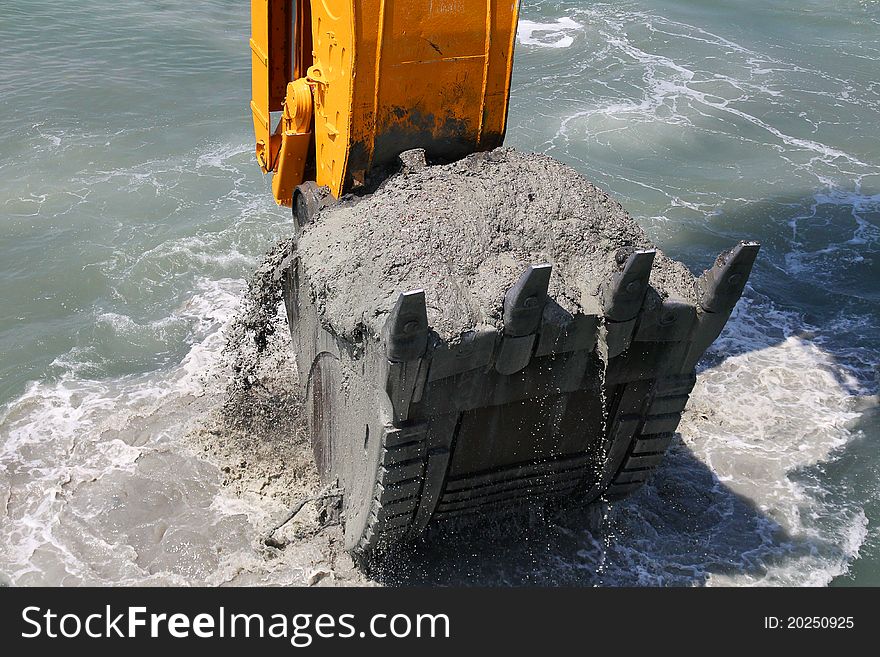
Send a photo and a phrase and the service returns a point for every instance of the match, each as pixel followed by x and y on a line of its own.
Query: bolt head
pixel 411 327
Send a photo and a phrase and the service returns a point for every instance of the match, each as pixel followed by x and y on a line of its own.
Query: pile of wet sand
pixel 465 232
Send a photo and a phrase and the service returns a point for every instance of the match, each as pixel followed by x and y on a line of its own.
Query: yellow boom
pixel 357 82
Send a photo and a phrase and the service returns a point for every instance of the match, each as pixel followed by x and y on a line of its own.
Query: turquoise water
pixel 131 209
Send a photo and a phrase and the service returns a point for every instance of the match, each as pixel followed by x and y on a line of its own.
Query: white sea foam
pixel 857 232
pixel 79 453
pixel 737 503
pixel 558 34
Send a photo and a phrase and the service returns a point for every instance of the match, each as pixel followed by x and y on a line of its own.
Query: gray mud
pixel 464 232
pixel 259 432
pixel 258 438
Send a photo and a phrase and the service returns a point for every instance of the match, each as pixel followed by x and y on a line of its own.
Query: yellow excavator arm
pixel 357 82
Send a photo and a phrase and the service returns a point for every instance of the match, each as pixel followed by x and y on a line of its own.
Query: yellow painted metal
pixel 332 74
pixel 401 74
pixel 296 137
pixel 391 75
pixel 271 43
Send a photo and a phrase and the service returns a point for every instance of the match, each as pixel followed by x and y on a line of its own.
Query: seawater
pixel 131 210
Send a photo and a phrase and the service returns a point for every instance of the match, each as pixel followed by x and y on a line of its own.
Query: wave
pixel 558 34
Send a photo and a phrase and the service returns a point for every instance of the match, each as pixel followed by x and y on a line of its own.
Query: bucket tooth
pixel 406 340
pixel 524 302
pixel 720 288
pixel 406 329
pixel 624 295
pixel 723 284
pixel 523 308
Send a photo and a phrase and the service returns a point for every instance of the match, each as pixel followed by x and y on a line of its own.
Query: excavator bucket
pixel 544 405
